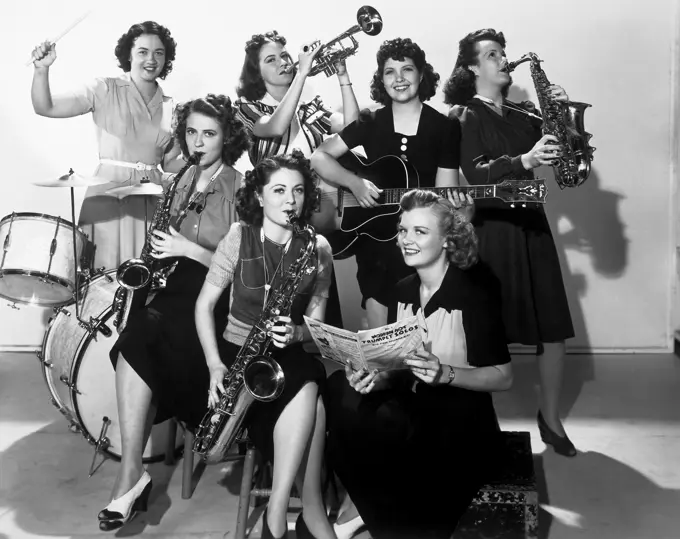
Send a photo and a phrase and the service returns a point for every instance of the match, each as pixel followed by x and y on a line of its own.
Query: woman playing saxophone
pixel 501 138
pixel 252 258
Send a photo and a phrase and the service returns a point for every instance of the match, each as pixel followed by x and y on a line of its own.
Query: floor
pixel 622 413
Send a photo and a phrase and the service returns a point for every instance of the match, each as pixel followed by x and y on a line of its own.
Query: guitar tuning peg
pixel 524 205
pixel 512 205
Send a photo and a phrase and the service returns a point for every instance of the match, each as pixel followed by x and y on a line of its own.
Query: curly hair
pixel 127 40
pixel 247 204
pixel 218 107
pixel 398 49
pixel 461 238
pixel 461 85
pixel 250 83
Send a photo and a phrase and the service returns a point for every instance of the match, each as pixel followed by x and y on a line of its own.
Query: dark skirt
pixel 161 344
pixel 411 461
pixel 519 248
pixel 299 368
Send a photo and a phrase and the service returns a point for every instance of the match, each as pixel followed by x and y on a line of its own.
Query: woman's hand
pixel 425 366
pixel 283 332
pixel 366 192
pixel 558 93
pixel 306 56
pixel 44 54
pixel 340 67
pixel 462 203
pixel 169 245
pixel 361 381
pixel 542 153
pixel 217 374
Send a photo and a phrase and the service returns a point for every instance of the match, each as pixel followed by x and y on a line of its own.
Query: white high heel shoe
pixel 122 509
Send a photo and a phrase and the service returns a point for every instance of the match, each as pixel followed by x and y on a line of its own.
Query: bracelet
pixel 348 84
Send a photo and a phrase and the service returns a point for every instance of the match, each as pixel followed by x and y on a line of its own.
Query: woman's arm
pixel 491 378
pixel 205 322
pixel 325 163
pixel 278 123
pixel 173 244
pixel 350 107
pixel 447 177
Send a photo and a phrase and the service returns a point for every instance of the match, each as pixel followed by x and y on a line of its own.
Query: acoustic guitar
pixel 343 221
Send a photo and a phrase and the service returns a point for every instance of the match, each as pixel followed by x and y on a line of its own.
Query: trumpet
pixel 369 22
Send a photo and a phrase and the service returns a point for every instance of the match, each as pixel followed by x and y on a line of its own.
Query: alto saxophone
pixel 254 374
pixel 563 120
pixel 137 276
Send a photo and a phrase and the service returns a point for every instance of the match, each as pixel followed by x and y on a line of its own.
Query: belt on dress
pixel 137 166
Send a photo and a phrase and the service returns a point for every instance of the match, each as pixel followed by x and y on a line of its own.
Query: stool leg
pixel 188 466
pixel 244 495
pixel 170 443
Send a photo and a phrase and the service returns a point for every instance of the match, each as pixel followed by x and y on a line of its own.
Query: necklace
pixel 267 282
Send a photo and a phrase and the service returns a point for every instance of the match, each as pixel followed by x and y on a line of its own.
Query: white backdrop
pixel 614 234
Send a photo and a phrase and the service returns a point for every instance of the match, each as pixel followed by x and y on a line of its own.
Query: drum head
pixel 81 377
pixel 34 288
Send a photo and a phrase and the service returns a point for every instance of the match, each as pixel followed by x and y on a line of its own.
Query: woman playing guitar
pixel 405 127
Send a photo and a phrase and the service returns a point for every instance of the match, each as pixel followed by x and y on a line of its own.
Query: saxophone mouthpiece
pixel 195 158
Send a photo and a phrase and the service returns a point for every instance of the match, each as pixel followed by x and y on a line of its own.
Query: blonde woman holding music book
pixel 397 436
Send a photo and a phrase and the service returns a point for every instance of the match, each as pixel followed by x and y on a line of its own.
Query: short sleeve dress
pixel 453 430
pixel 130 131
pixel 247 260
pixel 435 145
pixel 515 242
pixel 160 342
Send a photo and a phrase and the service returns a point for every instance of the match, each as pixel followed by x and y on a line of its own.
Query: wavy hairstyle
pixel 398 49
pixel 127 40
pixel 250 83
pixel 461 85
pixel 462 244
pixel 247 204
pixel 218 107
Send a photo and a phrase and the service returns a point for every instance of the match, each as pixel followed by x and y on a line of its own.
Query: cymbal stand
pixel 94 323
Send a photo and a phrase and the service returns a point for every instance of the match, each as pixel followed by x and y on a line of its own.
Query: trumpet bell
pixel 370 20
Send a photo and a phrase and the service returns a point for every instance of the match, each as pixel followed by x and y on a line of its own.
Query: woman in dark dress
pixel 252 259
pixel 412 447
pixel 160 370
pixel 404 127
pixel 502 139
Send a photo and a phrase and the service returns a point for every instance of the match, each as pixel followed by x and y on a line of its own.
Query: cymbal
pixel 146 188
pixel 72 180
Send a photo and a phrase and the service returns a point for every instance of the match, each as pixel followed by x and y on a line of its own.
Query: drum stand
pixel 95 324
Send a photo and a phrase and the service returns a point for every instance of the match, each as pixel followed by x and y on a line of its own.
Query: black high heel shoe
pixel 301 529
pixel 561 444
pixel 266 532
pixel 123 509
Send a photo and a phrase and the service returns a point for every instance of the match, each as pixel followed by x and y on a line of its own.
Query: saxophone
pixel 138 276
pixel 563 120
pixel 254 374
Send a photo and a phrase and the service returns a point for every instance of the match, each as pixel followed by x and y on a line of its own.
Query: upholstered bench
pixel 507 507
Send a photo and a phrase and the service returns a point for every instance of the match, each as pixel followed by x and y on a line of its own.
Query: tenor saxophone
pixel 565 122
pixel 254 375
pixel 137 276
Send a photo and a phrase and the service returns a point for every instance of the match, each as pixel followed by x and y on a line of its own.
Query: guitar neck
pixel 393 196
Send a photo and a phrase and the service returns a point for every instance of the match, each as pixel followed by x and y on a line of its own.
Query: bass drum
pixel 80 375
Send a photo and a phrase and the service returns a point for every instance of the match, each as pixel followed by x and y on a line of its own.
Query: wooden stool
pixel 252 488
pixel 506 507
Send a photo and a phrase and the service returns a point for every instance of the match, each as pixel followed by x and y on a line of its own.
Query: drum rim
pixel 32 273
pixel 45 216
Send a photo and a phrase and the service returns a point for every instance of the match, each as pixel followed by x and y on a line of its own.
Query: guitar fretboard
pixel 393 196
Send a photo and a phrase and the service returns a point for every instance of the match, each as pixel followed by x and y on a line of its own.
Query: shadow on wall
pixel 585 219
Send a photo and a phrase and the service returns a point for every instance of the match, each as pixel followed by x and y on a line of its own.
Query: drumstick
pixel 64 32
